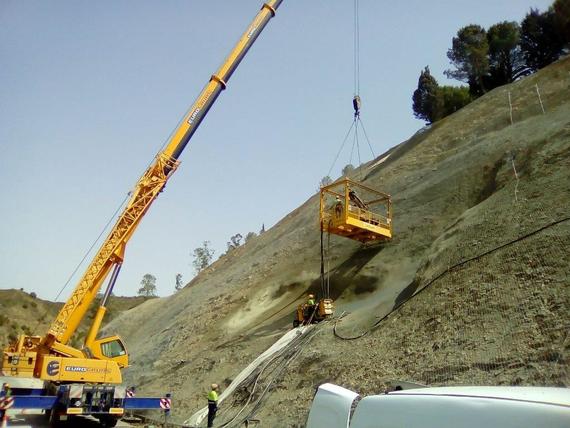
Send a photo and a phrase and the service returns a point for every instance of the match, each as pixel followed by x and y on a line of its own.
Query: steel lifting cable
pixel 323 280
pixel 353 143
pixel 328 294
pixel 358 149
pixel 356 50
pixel 448 270
pixel 367 139
pixel 356 102
pixel 341 147
pixel 325 260
pixel 119 208
pixel 103 230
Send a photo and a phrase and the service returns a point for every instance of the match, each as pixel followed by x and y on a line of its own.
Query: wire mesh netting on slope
pixel 246 393
pixel 491 305
pixel 509 327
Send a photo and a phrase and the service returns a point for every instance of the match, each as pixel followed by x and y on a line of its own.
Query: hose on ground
pixel 445 272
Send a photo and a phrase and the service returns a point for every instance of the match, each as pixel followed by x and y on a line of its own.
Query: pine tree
pixel 541 43
pixel 425 97
pixel 469 55
pixel 506 61
pixel 561 10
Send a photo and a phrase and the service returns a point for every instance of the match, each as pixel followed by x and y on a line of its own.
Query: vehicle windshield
pixel 114 348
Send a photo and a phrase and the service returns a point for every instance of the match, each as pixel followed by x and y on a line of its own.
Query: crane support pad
pixel 49 401
pixel 16 392
pixel 142 403
pixel 34 401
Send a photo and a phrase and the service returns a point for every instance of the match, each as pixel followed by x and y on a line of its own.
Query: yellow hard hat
pixel 214 386
pixel 6 385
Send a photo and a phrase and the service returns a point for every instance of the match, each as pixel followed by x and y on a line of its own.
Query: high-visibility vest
pixel 311 302
pixel 213 396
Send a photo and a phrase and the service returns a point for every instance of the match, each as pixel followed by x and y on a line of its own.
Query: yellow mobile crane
pixel 50 357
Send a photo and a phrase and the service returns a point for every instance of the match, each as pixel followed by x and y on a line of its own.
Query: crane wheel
pixel 54 418
pixel 108 421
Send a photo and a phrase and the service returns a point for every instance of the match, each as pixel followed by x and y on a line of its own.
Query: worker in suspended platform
pixel 338 207
pixel 212 404
pixel 356 201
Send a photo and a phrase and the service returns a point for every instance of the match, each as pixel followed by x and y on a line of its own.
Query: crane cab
pixel 355 211
pixel 111 348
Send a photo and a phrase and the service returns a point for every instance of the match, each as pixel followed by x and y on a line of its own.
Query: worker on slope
pixel 212 404
pixel 308 308
pixel 5 392
pixel 311 300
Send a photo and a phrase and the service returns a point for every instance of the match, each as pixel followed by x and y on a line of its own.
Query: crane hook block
pixel 356 105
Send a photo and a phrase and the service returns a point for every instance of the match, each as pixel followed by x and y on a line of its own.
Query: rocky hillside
pixel 473 289
pixel 23 313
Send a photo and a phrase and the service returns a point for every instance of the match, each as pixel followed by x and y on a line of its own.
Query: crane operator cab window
pixel 113 349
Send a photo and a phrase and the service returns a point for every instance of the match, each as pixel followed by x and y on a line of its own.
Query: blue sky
pixel 90 90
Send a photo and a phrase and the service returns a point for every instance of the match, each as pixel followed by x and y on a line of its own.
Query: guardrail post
pixel 168 402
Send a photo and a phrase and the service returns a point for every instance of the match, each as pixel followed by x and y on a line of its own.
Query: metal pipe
pixel 111 284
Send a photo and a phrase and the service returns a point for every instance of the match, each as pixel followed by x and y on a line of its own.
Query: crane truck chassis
pixel 83 381
pixel 107 403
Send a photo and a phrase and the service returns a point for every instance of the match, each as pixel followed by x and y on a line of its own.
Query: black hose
pixel 322 262
pixel 446 271
pixel 289 354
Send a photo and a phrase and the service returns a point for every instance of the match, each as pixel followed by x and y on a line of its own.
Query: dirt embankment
pixel 25 313
pixel 490 304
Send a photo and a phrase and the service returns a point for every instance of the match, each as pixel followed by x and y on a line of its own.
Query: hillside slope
pixel 21 313
pixel 490 304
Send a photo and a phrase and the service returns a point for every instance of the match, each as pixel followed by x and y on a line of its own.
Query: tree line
pixel 486 59
pixel 202 257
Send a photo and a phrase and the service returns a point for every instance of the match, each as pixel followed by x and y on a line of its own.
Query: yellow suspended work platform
pixel 350 209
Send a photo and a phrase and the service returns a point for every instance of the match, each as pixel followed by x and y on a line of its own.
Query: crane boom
pixel 151 184
pixel 99 361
